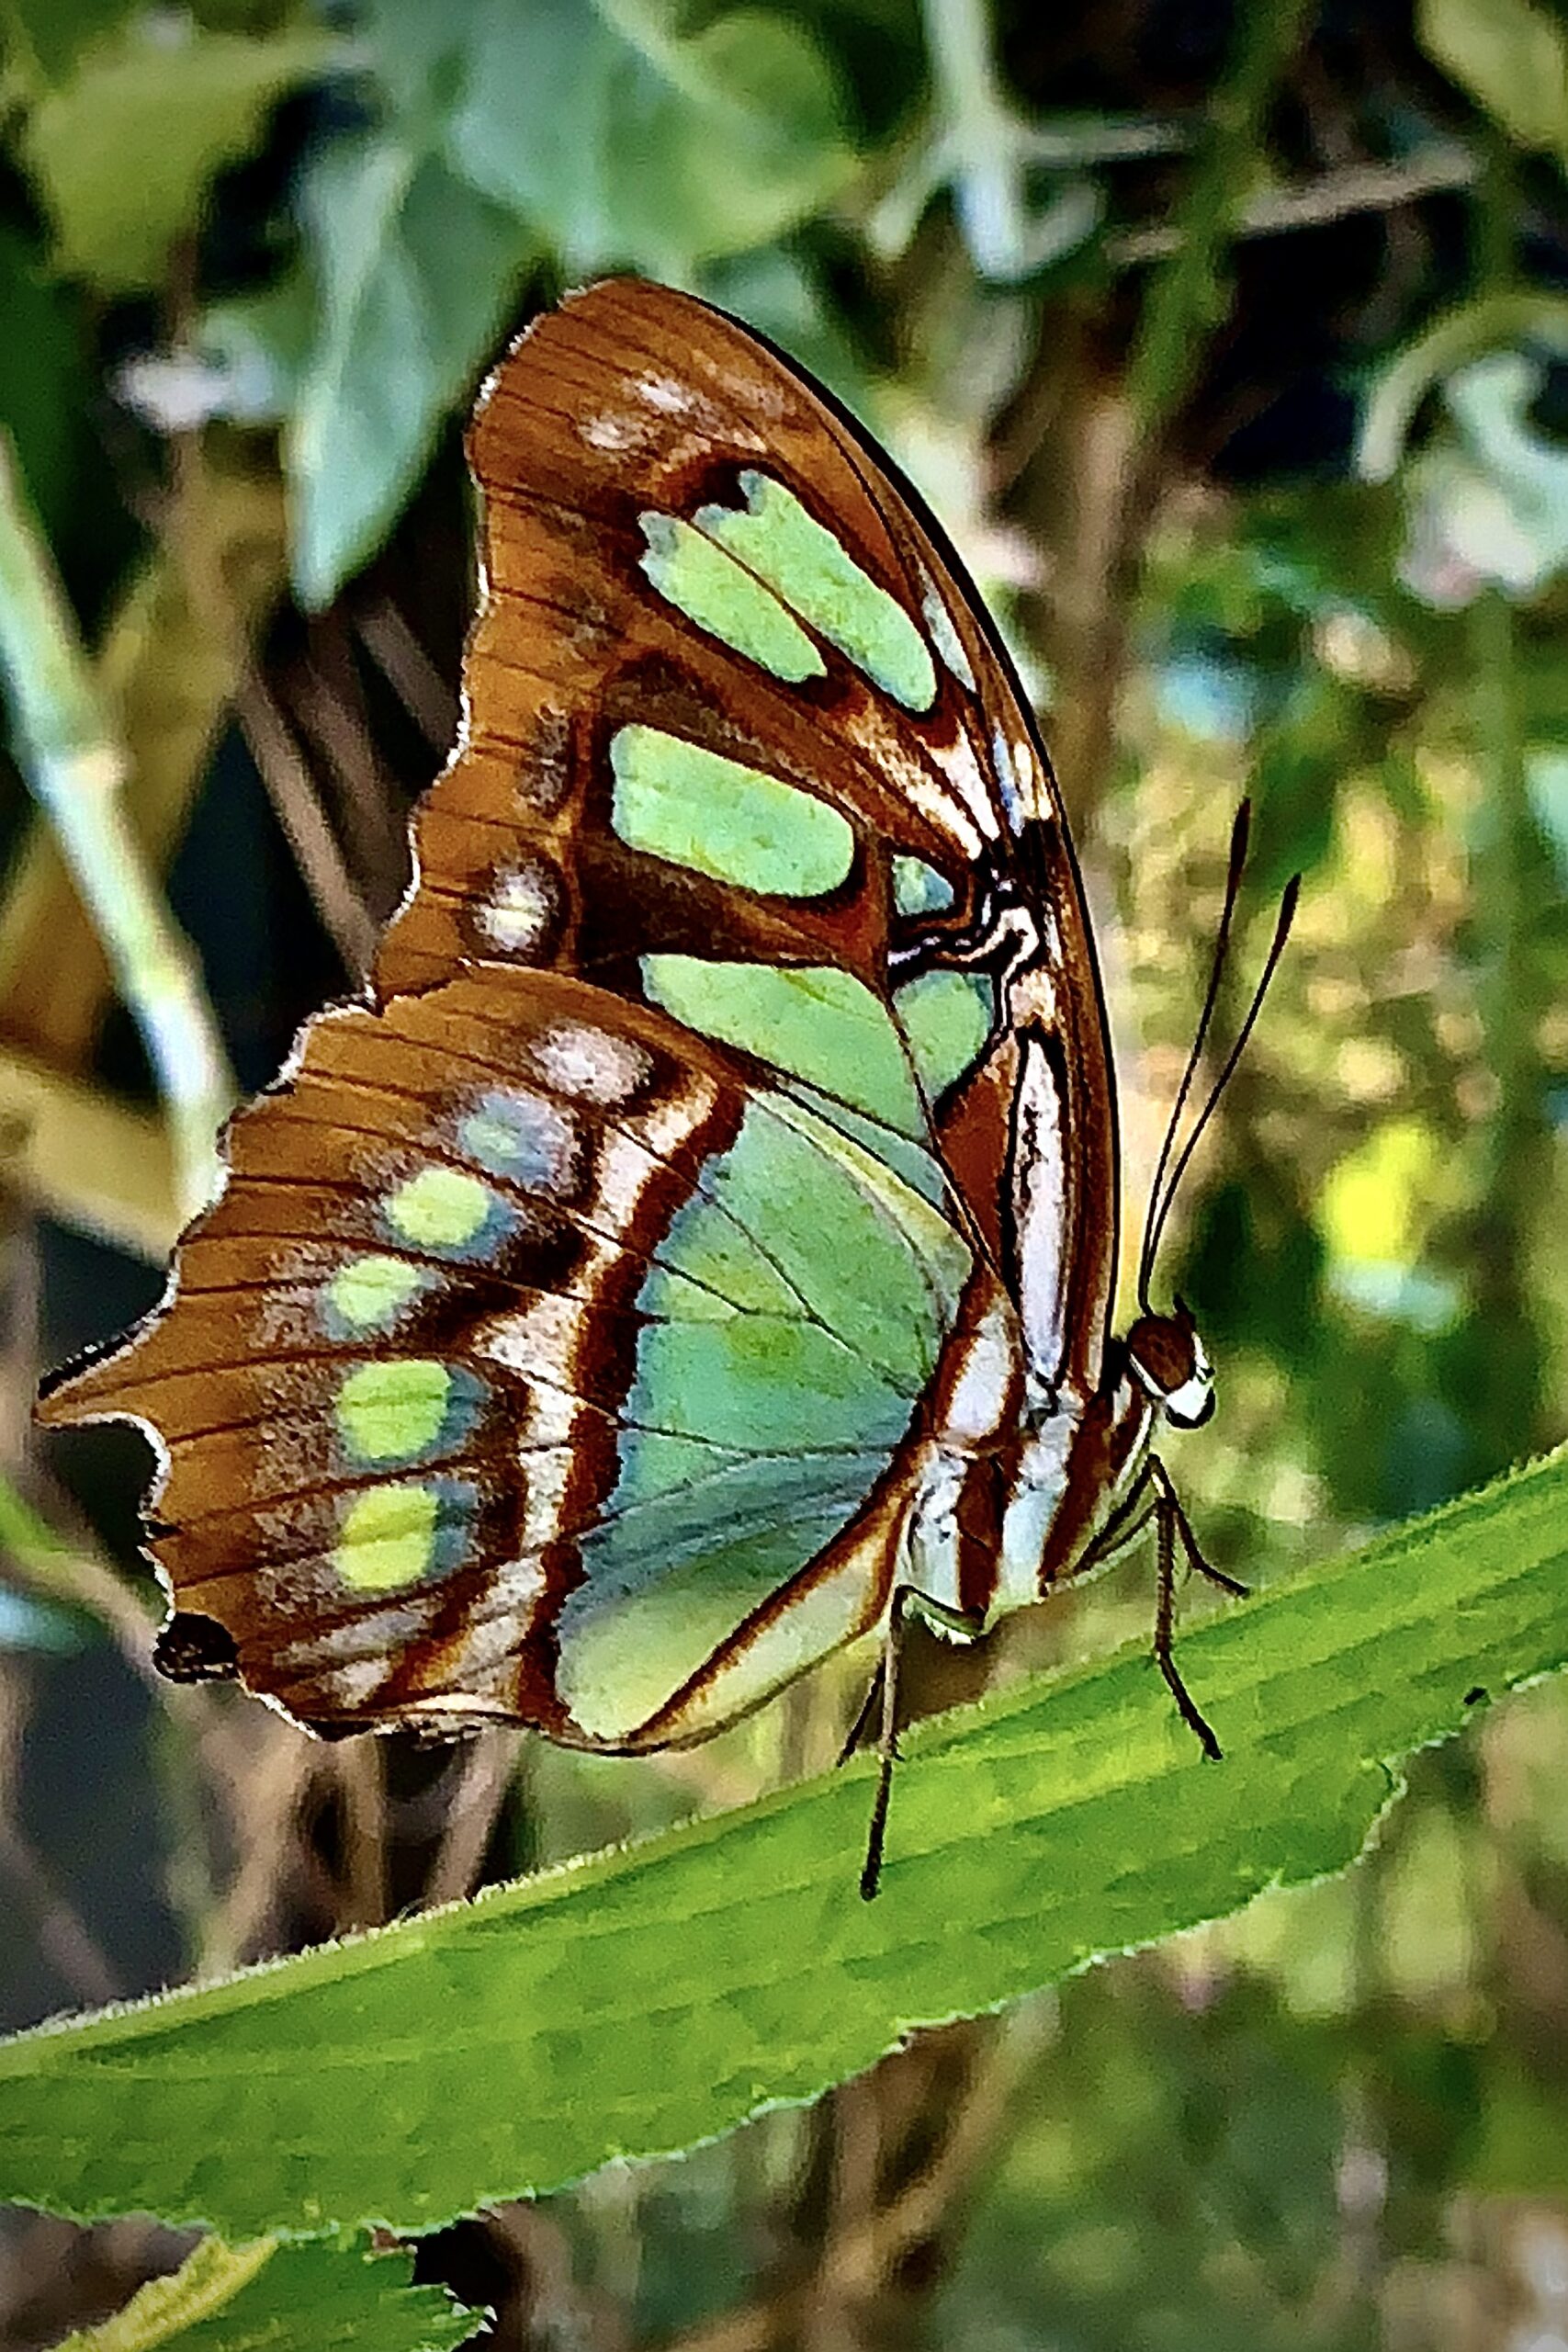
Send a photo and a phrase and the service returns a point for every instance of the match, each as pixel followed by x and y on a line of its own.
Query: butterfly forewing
pixel 554 1350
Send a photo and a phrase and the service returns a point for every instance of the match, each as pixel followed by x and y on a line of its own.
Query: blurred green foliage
pixel 1230 343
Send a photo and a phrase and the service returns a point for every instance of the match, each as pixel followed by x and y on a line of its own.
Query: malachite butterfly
pixel 699 1249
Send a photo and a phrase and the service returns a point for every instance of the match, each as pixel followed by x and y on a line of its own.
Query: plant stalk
pixel 76 770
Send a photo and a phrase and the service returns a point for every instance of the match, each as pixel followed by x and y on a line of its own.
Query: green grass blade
pixel 649 1998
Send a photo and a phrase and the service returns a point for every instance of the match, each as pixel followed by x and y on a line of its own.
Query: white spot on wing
pixel 594 1065
pixel 671 1118
pixel 944 635
pixel 513 1594
pixel 610 430
pixel 548 1419
pixel 539 1339
pixel 517 912
pixel 1007 780
pixel 622 1174
pixel 1040 1209
pixel 546 1479
pixel 671 397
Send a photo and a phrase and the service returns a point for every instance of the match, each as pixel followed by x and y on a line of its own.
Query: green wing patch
pixel 677 801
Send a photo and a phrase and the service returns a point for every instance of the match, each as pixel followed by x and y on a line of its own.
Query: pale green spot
pixel 919 889
pixel 675 801
pixel 441 1208
pixel 947 1018
pixel 369 1294
pixel 388 1538
pixel 776 538
pixel 821 1024
pixel 393 1412
pixel 722 596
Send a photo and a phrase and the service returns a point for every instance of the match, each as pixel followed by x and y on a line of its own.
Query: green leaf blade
pixel 630 144
pixel 1512 58
pixel 416 273
pixel 310 2296
pixel 641 2001
pixel 161 115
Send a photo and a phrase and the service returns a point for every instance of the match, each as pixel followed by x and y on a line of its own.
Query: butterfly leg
pixel 886 1743
pixel 907 1602
pixel 869 1707
pixel 1126 1522
pixel 1170 1502
pixel 1171 1525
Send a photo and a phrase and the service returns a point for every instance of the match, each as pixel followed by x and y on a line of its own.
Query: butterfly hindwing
pixel 521 1313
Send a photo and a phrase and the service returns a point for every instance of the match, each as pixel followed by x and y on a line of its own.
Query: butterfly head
pixel 1167 1360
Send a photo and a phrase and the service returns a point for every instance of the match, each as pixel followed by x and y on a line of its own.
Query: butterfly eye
pixel 1192 1403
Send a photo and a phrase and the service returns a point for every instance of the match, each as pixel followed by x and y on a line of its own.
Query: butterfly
pixel 698 1248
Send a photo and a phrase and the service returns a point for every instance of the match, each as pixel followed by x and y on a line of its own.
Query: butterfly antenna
pixel 1156 1217
pixel 1281 933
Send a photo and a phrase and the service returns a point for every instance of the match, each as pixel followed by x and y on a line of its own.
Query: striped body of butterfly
pixel 699 1249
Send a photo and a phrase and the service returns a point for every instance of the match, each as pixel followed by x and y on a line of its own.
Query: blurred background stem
pixel 986 149
pixel 1501 1342
pixel 67 751
pixel 1189 296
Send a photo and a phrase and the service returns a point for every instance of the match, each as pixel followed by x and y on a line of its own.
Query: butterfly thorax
pixel 1011 1497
